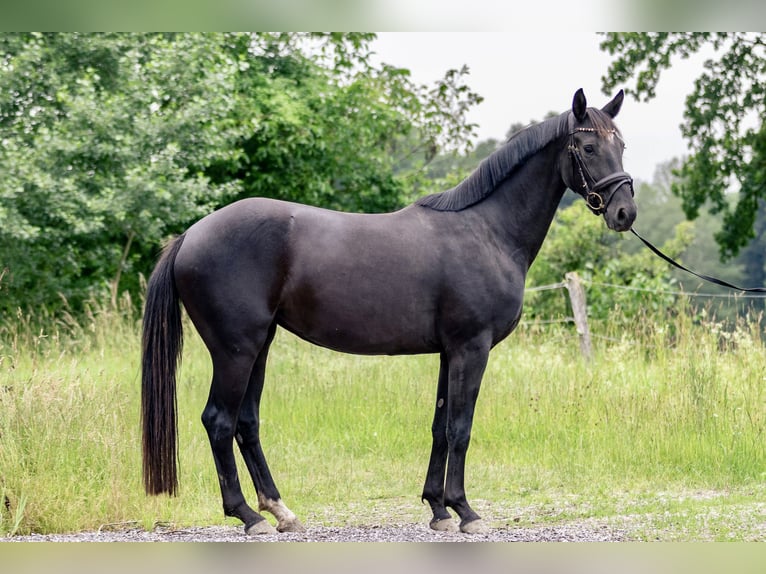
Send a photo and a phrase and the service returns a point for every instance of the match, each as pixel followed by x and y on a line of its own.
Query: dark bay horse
pixel 443 275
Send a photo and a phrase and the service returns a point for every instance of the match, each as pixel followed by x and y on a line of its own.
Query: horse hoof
pixel 477 526
pixel 443 525
pixel 260 527
pixel 291 526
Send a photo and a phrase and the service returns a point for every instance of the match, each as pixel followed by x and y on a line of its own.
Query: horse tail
pixel 162 341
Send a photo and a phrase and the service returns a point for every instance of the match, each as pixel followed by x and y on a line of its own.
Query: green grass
pixel 662 429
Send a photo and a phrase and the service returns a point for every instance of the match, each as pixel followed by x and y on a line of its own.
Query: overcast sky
pixel 524 75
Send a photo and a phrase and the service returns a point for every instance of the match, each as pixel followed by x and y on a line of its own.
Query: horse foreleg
pixel 466 368
pixel 433 490
pixel 248 439
pixel 230 378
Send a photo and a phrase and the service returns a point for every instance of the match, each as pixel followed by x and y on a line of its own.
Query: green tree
pixel 347 135
pixel 723 122
pixel 109 143
pixel 617 275
pixel 660 211
pixel 104 141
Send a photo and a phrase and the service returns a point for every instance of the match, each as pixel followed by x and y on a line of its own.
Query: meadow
pixel 662 430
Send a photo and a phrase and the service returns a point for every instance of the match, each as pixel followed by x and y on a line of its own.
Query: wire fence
pixel 577 299
pixel 677 293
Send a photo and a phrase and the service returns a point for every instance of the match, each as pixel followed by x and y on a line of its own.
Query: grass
pixel 662 430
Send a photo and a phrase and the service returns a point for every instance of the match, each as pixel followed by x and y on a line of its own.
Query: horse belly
pixel 362 321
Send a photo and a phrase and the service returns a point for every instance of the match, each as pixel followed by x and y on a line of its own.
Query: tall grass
pixel 660 408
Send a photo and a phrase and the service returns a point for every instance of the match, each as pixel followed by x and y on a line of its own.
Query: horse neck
pixel 520 211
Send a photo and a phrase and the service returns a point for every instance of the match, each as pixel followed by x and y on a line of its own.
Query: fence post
pixel 577 297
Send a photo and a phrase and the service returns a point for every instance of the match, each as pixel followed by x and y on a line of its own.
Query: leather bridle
pixel 599 193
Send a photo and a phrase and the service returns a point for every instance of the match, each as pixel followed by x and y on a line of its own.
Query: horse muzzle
pixel 620 208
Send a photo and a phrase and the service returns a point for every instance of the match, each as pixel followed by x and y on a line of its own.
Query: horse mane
pixel 506 159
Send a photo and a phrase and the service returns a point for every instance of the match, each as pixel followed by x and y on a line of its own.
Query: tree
pixel 579 242
pixel 661 212
pixel 346 135
pixel 111 143
pixel 105 139
pixel 723 121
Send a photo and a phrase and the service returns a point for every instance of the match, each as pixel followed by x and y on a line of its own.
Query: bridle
pixel 598 195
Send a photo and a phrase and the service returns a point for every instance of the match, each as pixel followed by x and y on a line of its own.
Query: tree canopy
pixel 723 122
pixel 111 143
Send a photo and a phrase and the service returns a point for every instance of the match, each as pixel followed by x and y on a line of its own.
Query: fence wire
pixel 734 296
pixel 563 285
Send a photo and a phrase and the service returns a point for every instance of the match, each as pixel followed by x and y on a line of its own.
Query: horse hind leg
pixel 248 439
pixel 230 381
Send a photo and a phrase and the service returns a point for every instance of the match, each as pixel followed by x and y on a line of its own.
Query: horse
pixel 443 275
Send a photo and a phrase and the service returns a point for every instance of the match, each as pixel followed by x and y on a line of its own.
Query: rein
pixel 707 278
pixel 598 195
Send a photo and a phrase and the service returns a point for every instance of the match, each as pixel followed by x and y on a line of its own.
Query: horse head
pixel 593 163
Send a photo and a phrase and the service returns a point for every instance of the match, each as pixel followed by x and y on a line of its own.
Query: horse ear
pixel 613 107
pixel 579 105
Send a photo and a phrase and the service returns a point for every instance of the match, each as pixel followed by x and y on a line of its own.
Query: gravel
pixel 588 531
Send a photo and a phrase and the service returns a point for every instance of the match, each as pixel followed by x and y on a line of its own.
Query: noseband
pixel 597 196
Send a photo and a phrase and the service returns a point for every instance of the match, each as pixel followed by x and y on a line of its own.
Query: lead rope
pixel 707 278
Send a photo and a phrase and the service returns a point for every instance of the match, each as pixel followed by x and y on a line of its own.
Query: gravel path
pixel 588 531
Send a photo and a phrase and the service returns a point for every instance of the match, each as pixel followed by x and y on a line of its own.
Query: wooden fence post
pixel 577 297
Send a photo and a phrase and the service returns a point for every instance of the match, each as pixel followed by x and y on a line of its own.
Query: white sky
pixel 523 75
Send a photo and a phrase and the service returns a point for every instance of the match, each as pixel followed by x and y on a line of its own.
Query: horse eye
pixel 588 148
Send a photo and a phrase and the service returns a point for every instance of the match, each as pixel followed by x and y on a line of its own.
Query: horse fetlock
pixel 249 517
pixel 286 519
pixel 237 510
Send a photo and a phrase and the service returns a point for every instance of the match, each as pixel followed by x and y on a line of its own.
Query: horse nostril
pixel 622 215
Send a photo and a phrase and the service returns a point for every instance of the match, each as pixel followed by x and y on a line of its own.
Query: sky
pixel 524 75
